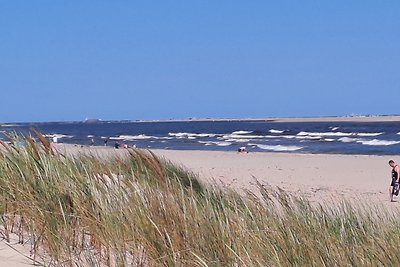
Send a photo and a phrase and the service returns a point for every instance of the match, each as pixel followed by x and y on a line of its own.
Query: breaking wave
pixel 376 142
pixel 238 140
pixel 373 142
pixel 276 131
pixel 238 136
pixel 348 139
pixel 242 132
pixel 210 143
pixel 58 136
pixel 133 137
pixel 277 148
pixel 303 133
pixel 182 135
pixel 368 134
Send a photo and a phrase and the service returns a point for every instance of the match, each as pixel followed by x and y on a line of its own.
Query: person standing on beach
pixel 394 185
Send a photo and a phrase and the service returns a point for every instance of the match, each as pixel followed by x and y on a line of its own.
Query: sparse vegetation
pixel 139 210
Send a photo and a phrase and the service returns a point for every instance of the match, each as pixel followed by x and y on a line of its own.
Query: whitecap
pixel 223 143
pixel 133 137
pixel 288 136
pixel 58 136
pixel 182 135
pixel 209 143
pixel 303 133
pixel 278 148
pixel 313 137
pixel 348 139
pixel 301 137
pixel 376 142
pixel 369 134
pixel 238 140
pixel 324 134
pixel 238 136
pixel 242 132
pixel 276 131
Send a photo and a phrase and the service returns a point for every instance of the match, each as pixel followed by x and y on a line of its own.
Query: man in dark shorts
pixel 394 185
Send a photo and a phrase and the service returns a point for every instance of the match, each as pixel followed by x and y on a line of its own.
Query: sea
pixel 364 138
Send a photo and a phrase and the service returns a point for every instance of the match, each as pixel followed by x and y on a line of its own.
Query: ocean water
pixel 367 138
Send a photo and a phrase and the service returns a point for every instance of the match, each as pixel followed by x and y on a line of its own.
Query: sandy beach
pixel 319 177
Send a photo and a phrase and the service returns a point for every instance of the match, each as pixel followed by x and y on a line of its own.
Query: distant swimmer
pixel 242 149
pixel 395 184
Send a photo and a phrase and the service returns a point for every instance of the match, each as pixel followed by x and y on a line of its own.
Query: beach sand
pixel 320 178
pixel 13 254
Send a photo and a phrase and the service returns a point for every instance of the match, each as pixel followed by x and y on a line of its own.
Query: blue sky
pixel 68 60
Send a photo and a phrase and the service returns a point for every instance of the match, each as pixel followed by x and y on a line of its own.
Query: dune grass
pixel 139 210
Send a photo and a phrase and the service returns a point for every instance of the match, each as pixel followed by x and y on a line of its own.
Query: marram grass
pixel 139 210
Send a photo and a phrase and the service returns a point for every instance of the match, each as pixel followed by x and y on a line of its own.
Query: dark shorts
pixel 393 182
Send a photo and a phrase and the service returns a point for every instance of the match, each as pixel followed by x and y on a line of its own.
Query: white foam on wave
pixel 242 132
pixel 133 137
pixel 376 142
pixel 276 131
pixel 303 133
pixel 182 135
pixel 301 137
pixel 210 143
pixel 223 143
pixel 373 142
pixel 238 140
pixel 58 136
pixel 277 148
pixel 368 134
pixel 324 134
pixel 334 128
pixel 348 139
pixel 329 140
pixel 238 136
pixel 312 137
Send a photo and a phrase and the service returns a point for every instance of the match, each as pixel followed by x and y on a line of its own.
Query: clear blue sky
pixel 68 60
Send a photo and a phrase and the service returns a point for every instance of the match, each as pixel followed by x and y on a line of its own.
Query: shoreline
pixel 97 147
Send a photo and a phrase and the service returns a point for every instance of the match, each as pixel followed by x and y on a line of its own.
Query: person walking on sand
pixel 394 185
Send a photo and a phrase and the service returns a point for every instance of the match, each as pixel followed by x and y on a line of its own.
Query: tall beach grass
pixel 139 210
